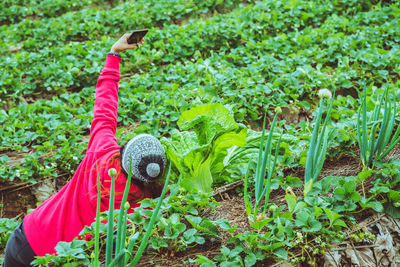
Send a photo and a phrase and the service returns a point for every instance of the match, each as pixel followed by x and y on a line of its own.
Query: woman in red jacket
pixel 64 215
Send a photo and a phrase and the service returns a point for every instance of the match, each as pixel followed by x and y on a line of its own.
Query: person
pixel 64 215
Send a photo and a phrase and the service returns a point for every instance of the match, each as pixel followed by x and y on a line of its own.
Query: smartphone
pixel 137 36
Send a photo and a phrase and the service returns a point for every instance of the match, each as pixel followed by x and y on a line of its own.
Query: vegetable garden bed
pixel 208 73
pixel 383 250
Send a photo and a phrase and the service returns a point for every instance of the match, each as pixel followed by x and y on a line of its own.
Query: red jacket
pixel 64 215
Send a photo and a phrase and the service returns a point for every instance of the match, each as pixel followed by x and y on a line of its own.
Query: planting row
pixel 240 77
pixel 55 69
pixel 15 11
pixel 93 24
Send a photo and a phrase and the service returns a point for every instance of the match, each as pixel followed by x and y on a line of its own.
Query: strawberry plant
pixel 386 187
pixel 14 11
pixel 6 228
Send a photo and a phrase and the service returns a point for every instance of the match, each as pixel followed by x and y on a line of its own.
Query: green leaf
pixel 220 148
pixel 300 205
pixel 250 260
pixel 355 196
pixel 332 216
pixel 179 146
pixel 261 223
pixel 307 187
pixel 280 253
pixel 301 219
pixel 235 251
pixel 225 250
pixel 205 262
pixel 192 211
pixel 224 224
pixel 291 201
pixel 199 156
pixel 374 204
pixel 193 219
pixel 189 233
pixel 207 121
pixel 394 196
pixel 201 179
pixel 199 240
pixel 173 231
pixel 339 193
pixel 317 211
pixel 157 242
pixel 350 186
pixel 293 182
pixel 340 222
pixel 392 210
pixel 314 225
pixel 4 159
pixel 203 224
pixel 364 175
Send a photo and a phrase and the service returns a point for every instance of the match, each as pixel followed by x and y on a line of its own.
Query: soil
pixel 17 198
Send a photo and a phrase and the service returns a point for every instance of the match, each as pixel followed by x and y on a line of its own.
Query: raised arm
pixel 104 124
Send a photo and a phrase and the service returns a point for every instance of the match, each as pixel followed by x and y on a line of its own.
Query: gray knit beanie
pixel 148 158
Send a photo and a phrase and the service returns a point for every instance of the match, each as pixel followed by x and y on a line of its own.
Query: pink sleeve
pixel 104 124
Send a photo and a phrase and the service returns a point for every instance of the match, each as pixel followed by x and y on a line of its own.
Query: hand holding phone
pixel 129 41
pixel 137 36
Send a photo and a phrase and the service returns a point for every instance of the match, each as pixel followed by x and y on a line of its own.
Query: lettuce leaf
pixel 198 155
pixel 207 121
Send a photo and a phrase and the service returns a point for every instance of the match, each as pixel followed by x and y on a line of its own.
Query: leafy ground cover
pixel 253 57
pixel 15 11
pixel 233 75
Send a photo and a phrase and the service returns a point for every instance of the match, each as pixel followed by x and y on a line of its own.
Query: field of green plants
pixel 258 104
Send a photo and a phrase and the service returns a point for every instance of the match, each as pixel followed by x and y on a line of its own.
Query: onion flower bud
pixel 112 172
pixel 325 93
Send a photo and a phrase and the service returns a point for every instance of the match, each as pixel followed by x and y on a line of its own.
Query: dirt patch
pixel 292 114
pixel 15 202
pixel 345 166
pixel 16 198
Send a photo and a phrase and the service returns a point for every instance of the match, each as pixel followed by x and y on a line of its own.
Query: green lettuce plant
pixel 266 165
pixel 198 155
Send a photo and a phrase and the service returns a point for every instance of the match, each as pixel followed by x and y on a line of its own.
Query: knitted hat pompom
pixel 147 155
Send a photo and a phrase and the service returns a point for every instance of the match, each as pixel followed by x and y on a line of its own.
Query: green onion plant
pixel 110 225
pixel 265 169
pixel 97 225
pixel 375 130
pixel 151 223
pixel 319 141
pixel 122 253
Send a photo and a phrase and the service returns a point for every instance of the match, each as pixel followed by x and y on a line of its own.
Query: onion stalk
pixel 265 169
